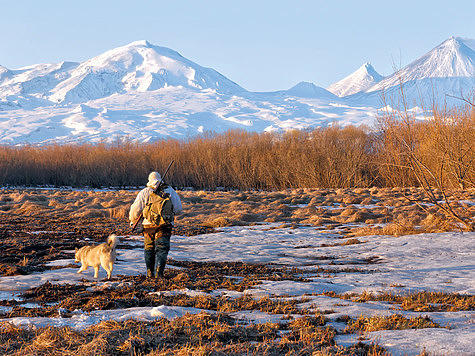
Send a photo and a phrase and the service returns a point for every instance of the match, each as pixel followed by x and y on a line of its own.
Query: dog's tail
pixel 113 241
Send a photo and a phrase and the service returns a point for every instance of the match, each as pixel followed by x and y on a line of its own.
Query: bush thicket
pixel 324 158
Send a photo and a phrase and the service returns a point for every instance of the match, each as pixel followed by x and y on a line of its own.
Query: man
pixel 156 238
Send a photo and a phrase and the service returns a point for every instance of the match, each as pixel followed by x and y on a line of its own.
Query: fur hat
pixel 153 179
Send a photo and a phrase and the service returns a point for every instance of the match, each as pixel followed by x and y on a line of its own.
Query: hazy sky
pixel 261 44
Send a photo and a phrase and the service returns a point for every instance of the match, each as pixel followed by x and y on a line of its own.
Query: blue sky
pixel 262 45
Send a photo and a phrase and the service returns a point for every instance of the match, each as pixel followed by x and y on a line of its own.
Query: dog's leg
pixel 82 268
pixel 107 269
pixel 107 265
pixel 96 271
pixel 111 267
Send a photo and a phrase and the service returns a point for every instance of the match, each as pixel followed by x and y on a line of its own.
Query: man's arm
pixel 137 206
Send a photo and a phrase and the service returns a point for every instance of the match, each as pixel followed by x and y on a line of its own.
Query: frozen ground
pixel 427 262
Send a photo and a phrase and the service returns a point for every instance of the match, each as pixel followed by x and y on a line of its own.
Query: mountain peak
pixel 360 80
pixel 368 69
pixel 3 69
pixel 143 43
pixel 138 66
pixel 453 58
pixel 309 90
pixel 304 85
pixel 452 44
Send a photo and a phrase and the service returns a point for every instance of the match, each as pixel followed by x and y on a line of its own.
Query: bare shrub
pixel 236 159
pixel 436 154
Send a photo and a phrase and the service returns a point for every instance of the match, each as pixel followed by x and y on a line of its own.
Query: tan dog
pixel 99 255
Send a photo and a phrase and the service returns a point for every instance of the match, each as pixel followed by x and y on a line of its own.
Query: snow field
pixel 426 262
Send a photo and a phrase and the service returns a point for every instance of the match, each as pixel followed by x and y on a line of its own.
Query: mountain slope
pixel 360 80
pixel 36 80
pixel 174 112
pixel 4 73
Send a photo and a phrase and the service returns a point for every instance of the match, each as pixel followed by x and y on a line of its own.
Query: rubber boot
pixel 161 268
pixel 162 246
pixel 149 262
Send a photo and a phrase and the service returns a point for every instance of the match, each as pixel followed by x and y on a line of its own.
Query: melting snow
pixel 426 262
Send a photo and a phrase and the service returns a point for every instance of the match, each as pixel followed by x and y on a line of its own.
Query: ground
pixel 330 272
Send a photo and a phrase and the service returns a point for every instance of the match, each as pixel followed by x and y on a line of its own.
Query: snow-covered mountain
pixel 451 59
pixel 445 71
pixel 139 66
pixel 146 92
pixel 360 80
pixel 307 90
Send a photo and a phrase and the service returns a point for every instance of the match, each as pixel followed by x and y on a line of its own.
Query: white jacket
pixel 141 200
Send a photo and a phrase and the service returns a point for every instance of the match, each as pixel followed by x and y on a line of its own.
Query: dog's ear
pixel 76 249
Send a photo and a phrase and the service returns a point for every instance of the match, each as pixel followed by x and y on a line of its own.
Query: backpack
pixel 159 208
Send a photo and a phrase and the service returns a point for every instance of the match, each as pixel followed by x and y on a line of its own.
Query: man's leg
pixel 162 246
pixel 149 250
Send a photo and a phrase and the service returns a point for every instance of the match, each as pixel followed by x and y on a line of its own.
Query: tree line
pixel 330 157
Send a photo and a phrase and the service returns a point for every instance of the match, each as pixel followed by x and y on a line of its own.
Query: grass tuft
pixel 392 322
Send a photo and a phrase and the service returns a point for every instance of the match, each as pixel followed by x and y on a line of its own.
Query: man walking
pixel 156 233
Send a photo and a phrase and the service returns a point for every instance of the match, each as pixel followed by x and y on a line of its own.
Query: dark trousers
pixel 157 245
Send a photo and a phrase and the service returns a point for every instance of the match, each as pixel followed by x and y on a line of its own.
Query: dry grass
pixel 351 241
pixel 387 211
pixel 419 302
pixel 392 322
pixel 191 334
pixel 137 291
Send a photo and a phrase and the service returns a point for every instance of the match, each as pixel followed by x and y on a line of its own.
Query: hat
pixel 153 179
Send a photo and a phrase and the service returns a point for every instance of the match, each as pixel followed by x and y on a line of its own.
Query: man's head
pixel 153 179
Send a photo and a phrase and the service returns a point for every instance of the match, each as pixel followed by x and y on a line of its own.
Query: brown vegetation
pixel 386 211
pixel 392 322
pixel 420 301
pixel 201 334
pixel 437 154
pixel 397 155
